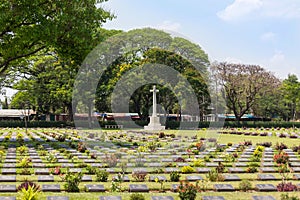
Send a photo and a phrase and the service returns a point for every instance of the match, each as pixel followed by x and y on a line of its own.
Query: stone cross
pixel 154 90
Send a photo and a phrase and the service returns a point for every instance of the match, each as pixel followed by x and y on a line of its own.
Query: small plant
pixel 287 197
pixel 111 160
pixel 281 158
pixel 22 150
pixel 280 146
pixel 198 163
pixel 72 180
pixel 55 171
pixel 25 184
pixel 251 170
pixel 286 187
pixel 136 196
pixel 220 168
pixel 101 175
pixel 187 169
pixel 245 185
pixel 188 191
pixel 81 147
pixel 139 176
pixel 174 176
pixel 161 135
pixel 214 176
pixel 30 193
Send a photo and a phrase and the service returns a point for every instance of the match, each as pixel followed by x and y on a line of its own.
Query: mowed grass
pixel 126 195
pixel 221 138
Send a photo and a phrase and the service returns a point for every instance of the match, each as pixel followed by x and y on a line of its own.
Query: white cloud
pixel 169 25
pixel 241 9
pixel 268 37
pixel 277 58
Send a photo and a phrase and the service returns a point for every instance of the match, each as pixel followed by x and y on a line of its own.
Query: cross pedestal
pixel 154 124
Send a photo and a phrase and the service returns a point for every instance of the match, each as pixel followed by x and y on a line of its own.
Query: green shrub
pixel 245 185
pixel 214 176
pixel 188 191
pixel 187 169
pixel 101 175
pixel 174 176
pixel 72 180
pixel 136 196
pixel 30 193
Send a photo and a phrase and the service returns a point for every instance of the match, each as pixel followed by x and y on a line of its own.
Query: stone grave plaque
pixel 295 164
pixel 203 170
pixel 7 178
pixel 8 188
pixel 193 178
pixel 174 187
pixel 217 160
pixel 9 165
pixel 125 178
pixel 265 187
pixel 160 178
pixel 155 165
pixel 243 160
pixel 41 171
pixel 138 188
pixel 162 198
pixel 63 160
pixel 7 198
pixel 268 164
pixel 211 164
pixel 296 176
pixel 38 165
pixel 235 170
pixel 240 164
pixel 95 188
pixel 213 198
pixel 223 187
pixel 166 160
pixel 51 188
pixel 36 160
pixel 86 178
pixel 57 198
pixel 8 171
pixel 10 161
pixel 267 170
pixel 75 170
pixel 96 165
pixel 182 164
pixel 263 197
pixel 110 198
pixel 88 160
pixel 171 169
pixel 266 177
pixel 46 178
pixel 65 165
pixel 296 169
pixel 231 178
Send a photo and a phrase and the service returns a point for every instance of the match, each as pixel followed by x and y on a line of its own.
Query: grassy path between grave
pixel 125 195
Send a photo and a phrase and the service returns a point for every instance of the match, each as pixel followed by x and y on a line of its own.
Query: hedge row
pixel 140 124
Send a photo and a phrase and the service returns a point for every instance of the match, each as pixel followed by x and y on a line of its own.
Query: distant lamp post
pixel 26 114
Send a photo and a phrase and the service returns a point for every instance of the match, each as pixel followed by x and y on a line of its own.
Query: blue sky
pixel 264 32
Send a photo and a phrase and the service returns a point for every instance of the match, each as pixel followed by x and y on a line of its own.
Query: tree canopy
pixel 27 27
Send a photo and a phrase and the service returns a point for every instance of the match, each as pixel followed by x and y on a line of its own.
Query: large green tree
pixel 291 92
pixel 244 85
pixel 186 58
pixel 27 27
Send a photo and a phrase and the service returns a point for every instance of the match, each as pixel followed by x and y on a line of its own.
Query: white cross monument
pixel 154 124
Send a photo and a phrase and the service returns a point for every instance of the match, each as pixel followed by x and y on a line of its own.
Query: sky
pixel 260 32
